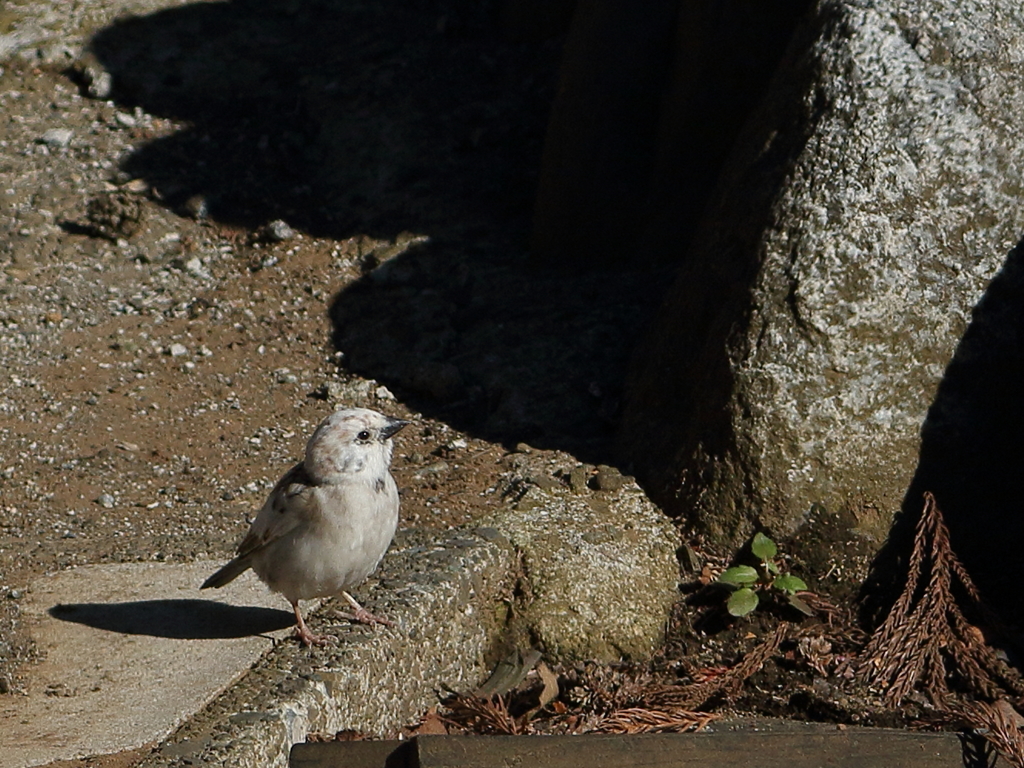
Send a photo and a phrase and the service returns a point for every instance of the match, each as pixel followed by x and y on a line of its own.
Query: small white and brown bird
pixel 329 520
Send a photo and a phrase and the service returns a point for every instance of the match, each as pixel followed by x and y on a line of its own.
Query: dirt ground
pixel 277 208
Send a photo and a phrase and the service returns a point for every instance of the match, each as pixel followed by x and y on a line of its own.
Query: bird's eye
pixel 364 435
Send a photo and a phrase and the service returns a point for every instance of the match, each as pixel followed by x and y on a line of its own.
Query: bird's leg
pixel 303 633
pixel 361 615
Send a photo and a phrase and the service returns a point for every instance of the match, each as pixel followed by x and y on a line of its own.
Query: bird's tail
pixel 228 573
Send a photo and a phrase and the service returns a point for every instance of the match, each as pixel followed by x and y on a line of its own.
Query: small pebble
pixel 545 482
pixel 437 468
pixel 99 82
pixel 138 186
pixel 578 479
pixel 278 231
pixel 105 500
pixel 57 137
pixel 177 350
pixel 608 478
pixel 195 268
pixel 333 390
pixel 197 207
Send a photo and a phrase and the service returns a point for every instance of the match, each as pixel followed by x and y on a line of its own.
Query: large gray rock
pixel 866 207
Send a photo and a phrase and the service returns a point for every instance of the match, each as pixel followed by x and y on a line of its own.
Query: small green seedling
pixel 746 581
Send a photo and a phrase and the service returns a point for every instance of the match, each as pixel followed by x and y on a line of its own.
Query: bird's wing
pixel 292 502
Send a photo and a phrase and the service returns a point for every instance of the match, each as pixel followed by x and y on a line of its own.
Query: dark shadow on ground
pixel 497 350
pixel 972 453
pixel 340 116
pixel 178 619
pixel 386 117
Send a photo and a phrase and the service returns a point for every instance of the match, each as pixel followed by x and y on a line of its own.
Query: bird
pixel 329 520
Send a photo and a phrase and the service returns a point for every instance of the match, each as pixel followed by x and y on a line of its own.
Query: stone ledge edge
pixel 442 594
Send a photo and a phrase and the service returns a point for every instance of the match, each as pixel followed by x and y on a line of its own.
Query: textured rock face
pixel 864 211
pixel 599 572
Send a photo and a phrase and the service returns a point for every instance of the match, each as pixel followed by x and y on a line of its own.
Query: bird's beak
pixel 392 428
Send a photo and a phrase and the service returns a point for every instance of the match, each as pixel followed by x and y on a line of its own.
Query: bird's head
pixel 351 441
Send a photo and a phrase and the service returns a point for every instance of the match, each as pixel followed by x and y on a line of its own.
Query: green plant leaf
pixel 800 605
pixel 789 584
pixel 739 576
pixel 772 568
pixel 764 549
pixel 742 601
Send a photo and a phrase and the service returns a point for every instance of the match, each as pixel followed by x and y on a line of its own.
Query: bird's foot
pixel 309 639
pixel 362 616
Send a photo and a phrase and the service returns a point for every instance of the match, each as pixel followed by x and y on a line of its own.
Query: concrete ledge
pixel 576 575
pixel 449 600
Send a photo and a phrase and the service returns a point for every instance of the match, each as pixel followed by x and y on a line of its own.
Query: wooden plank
pixel 850 748
pixel 353 754
pixel 761 743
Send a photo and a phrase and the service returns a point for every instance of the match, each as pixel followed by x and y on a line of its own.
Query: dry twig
pixel 482 715
pixel 640 720
pixel 609 700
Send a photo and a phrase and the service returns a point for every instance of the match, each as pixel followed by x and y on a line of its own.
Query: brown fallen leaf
pixel 550 691
pixel 432 724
